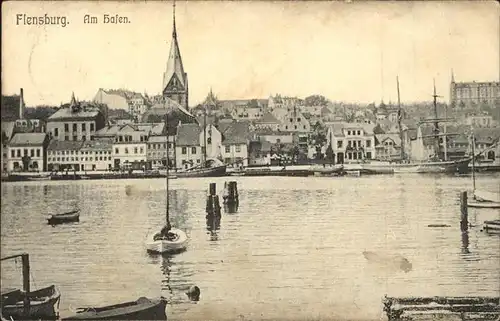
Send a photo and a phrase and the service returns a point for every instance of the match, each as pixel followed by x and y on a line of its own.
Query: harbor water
pixel 292 250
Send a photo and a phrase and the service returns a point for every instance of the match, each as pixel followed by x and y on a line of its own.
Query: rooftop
pixel 64 145
pixel 28 139
pixel 188 135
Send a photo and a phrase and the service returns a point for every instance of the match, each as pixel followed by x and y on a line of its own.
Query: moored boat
pixel 492 226
pixel 71 216
pixel 141 309
pixel 483 204
pixel 168 239
pixel 27 304
pixel 419 168
pixel 485 196
pixel 218 171
pixel 42 304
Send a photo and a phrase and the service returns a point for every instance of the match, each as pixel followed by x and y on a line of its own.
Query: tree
pixel 316 100
pixel 253 103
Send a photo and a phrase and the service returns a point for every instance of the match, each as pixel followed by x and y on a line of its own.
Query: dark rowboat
pixel 41 306
pixel 141 309
pixel 72 216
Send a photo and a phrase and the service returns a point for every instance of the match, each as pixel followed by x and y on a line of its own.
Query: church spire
pixel 452 76
pixel 175 82
pixel 174 29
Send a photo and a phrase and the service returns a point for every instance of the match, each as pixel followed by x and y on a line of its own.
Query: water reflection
pixel 231 208
pixel 465 242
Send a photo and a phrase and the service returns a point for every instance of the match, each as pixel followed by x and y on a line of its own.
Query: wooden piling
pixel 26 282
pixel 212 189
pixel 230 195
pixel 464 217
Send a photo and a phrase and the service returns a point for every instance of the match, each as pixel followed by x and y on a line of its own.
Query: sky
pixel 346 51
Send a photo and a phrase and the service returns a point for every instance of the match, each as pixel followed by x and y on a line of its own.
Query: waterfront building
pixel 292 120
pixel 77 121
pixel 236 138
pixel 259 153
pixel 63 155
pixel 96 155
pixel 351 141
pixel 464 94
pixel 157 150
pixel 388 146
pixel 188 151
pixel 175 80
pixel 27 152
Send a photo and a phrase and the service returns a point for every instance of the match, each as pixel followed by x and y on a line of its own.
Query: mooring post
pixel 464 219
pixel 26 282
pixel 230 195
pixel 212 189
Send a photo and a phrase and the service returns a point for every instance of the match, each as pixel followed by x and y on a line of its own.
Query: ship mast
pixel 168 165
pixel 436 123
pixel 400 115
pixel 205 137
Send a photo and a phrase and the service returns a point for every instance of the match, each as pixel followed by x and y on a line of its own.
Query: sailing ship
pixel 482 199
pixel 434 165
pixel 169 239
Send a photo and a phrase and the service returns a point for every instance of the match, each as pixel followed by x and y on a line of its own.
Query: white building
pixel 235 144
pixel 188 151
pixel 96 156
pixel 27 152
pixel 351 142
pixel 64 155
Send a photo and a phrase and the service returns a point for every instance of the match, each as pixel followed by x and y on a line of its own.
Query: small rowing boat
pixel 68 217
pixel 141 309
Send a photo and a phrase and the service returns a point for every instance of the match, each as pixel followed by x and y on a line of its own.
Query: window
pixel 63 159
pixel 126 150
pixel 12 153
pixel 56 132
pixel 193 150
pixel 135 150
pixel 238 148
pixel 91 127
pixel 228 149
pixel 25 152
pixel 84 138
pixel 349 144
pixel 291 120
pixel 165 145
pixel 100 158
pixel 169 145
pixel 295 126
pixel 75 128
pixel 184 150
pixel 83 127
pixel 142 150
pixel 368 145
pixel 18 153
pixel 298 119
pixel 209 140
pixel 58 159
pixel 74 138
pixel 66 127
pixel 38 152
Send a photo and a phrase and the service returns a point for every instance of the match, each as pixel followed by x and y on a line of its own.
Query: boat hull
pixel 70 217
pixel 166 246
pixel 484 196
pixel 483 204
pixel 142 309
pixel 42 305
pixel 203 172
pixel 420 168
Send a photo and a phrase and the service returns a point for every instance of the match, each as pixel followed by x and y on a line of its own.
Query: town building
pixel 77 121
pixel 269 122
pixel 27 152
pixel 175 80
pixel 236 138
pixel 188 151
pixel 477 120
pixel 351 142
pixel 388 146
pixel 64 155
pixel 135 103
pixel 464 94
pixel 96 155
pixel 157 150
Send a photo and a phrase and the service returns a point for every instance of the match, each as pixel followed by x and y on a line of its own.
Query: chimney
pixel 21 104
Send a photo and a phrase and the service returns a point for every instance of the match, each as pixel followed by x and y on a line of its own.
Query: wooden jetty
pixel 442 308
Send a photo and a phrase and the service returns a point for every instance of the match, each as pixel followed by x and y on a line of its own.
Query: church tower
pixel 175 80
